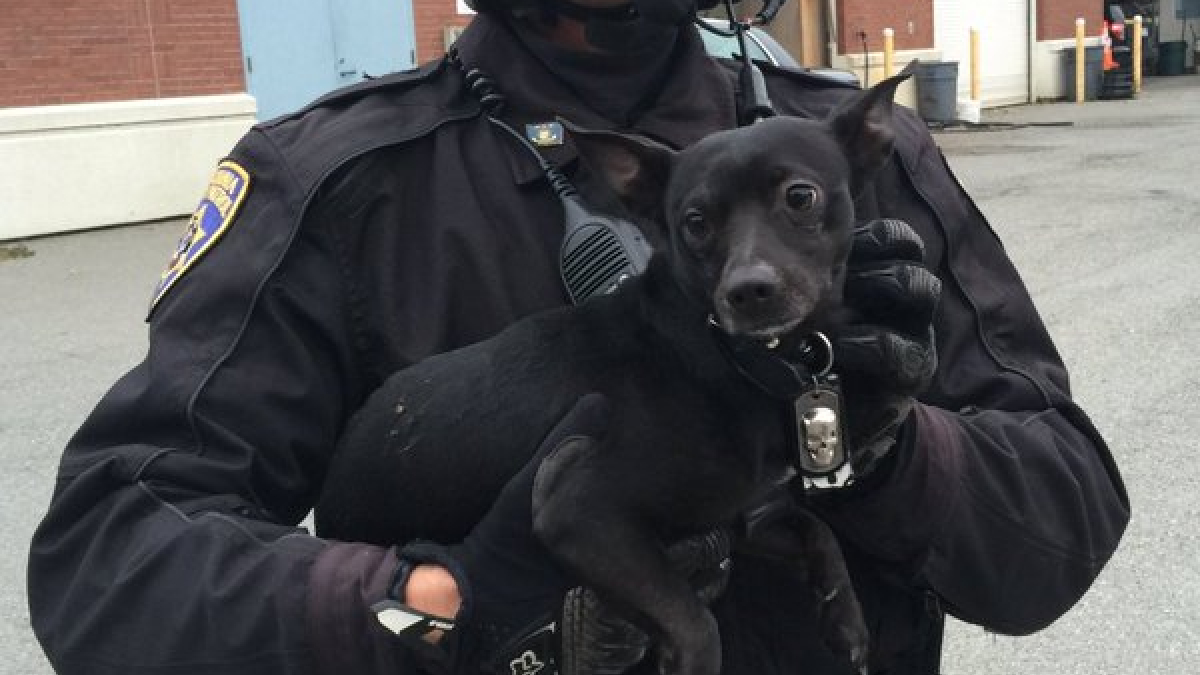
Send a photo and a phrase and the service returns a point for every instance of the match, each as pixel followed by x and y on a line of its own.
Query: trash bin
pixel 937 90
pixel 1093 72
pixel 1172 57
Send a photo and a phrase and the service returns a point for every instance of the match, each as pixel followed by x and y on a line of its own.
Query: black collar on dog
pixel 785 370
pixel 797 372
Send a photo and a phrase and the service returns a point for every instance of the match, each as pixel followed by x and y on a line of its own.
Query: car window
pixel 728 48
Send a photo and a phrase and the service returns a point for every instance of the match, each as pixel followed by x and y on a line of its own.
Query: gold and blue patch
pixel 545 135
pixel 214 215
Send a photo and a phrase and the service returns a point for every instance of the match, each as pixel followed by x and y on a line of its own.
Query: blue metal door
pixel 297 50
pixel 372 37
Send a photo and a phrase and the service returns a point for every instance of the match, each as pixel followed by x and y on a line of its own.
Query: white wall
pixel 1003 27
pixel 72 167
pixel 906 94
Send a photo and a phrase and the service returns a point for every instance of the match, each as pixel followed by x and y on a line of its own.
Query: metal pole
pixel 1137 54
pixel 1080 55
pixel 976 81
pixel 1031 59
pixel 889 52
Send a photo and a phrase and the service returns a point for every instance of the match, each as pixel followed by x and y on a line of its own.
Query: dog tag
pixel 821 452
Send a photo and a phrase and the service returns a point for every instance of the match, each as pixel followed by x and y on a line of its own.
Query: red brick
pixel 1055 20
pixel 68 51
pixel 1058 21
pixel 431 17
pixel 872 16
pixel 56 51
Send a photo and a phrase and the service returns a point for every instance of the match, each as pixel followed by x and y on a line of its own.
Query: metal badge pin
pixel 545 134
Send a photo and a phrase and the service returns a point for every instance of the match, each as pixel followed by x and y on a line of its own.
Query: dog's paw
pixel 696 651
pixel 843 627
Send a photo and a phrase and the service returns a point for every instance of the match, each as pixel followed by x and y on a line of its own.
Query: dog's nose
pixel 754 289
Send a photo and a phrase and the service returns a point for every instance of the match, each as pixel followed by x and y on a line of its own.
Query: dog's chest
pixel 697 457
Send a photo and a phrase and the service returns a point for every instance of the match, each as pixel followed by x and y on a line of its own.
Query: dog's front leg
pixel 805 544
pixel 582 521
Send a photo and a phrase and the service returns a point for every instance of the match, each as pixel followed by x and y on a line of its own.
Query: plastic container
pixel 937 90
pixel 968 111
pixel 1172 57
pixel 1093 72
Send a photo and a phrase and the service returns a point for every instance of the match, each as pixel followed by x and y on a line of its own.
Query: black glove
pixel 599 641
pixel 885 355
pixel 515 597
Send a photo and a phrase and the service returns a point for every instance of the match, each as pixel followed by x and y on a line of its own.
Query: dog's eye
pixel 801 197
pixel 696 226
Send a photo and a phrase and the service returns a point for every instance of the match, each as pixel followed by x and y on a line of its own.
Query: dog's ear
pixel 636 167
pixel 864 127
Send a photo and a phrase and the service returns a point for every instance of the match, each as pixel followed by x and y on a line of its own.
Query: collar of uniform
pixel 697 99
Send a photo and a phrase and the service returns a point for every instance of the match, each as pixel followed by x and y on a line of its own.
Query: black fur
pixel 758 225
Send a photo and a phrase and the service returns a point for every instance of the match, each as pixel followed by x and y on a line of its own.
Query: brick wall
pixel 430 18
pixel 73 51
pixel 1056 20
pixel 912 21
pixel 76 51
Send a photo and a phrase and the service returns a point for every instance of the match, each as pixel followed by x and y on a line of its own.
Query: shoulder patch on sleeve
pixel 215 213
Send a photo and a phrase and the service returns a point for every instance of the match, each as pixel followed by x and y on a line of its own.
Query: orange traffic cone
pixel 1106 40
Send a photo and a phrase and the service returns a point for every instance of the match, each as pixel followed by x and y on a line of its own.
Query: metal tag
pixel 821 453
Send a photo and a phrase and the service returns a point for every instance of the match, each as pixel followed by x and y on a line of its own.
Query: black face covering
pixel 623 76
pixel 626 26
pixel 670 12
pixel 618 36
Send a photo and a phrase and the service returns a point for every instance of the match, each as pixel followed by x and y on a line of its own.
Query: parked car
pixel 763 47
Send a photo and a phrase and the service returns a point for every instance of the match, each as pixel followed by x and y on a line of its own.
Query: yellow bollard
pixel 1080 57
pixel 889 52
pixel 976 81
pixel 1137 54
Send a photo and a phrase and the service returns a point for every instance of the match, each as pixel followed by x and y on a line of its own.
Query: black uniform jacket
pixel 392 221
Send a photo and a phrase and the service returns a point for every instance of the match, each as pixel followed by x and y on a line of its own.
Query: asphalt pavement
pixel 1103 219
pixel 1099 206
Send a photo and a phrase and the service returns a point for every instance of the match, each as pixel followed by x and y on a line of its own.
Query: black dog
pixel 758 225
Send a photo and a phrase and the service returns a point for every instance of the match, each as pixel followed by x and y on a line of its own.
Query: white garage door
pixel 1004 48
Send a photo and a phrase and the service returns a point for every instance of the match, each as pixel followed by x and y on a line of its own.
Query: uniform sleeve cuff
pixel 900 508
pixel 345 581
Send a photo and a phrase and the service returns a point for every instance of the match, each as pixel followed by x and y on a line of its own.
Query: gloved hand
pixel 599 641
pixel 515 597
pixel 886 354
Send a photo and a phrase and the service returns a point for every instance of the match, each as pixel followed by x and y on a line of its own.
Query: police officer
pixel 392 221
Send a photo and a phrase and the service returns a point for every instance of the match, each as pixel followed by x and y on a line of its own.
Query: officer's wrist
pixel 432 589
